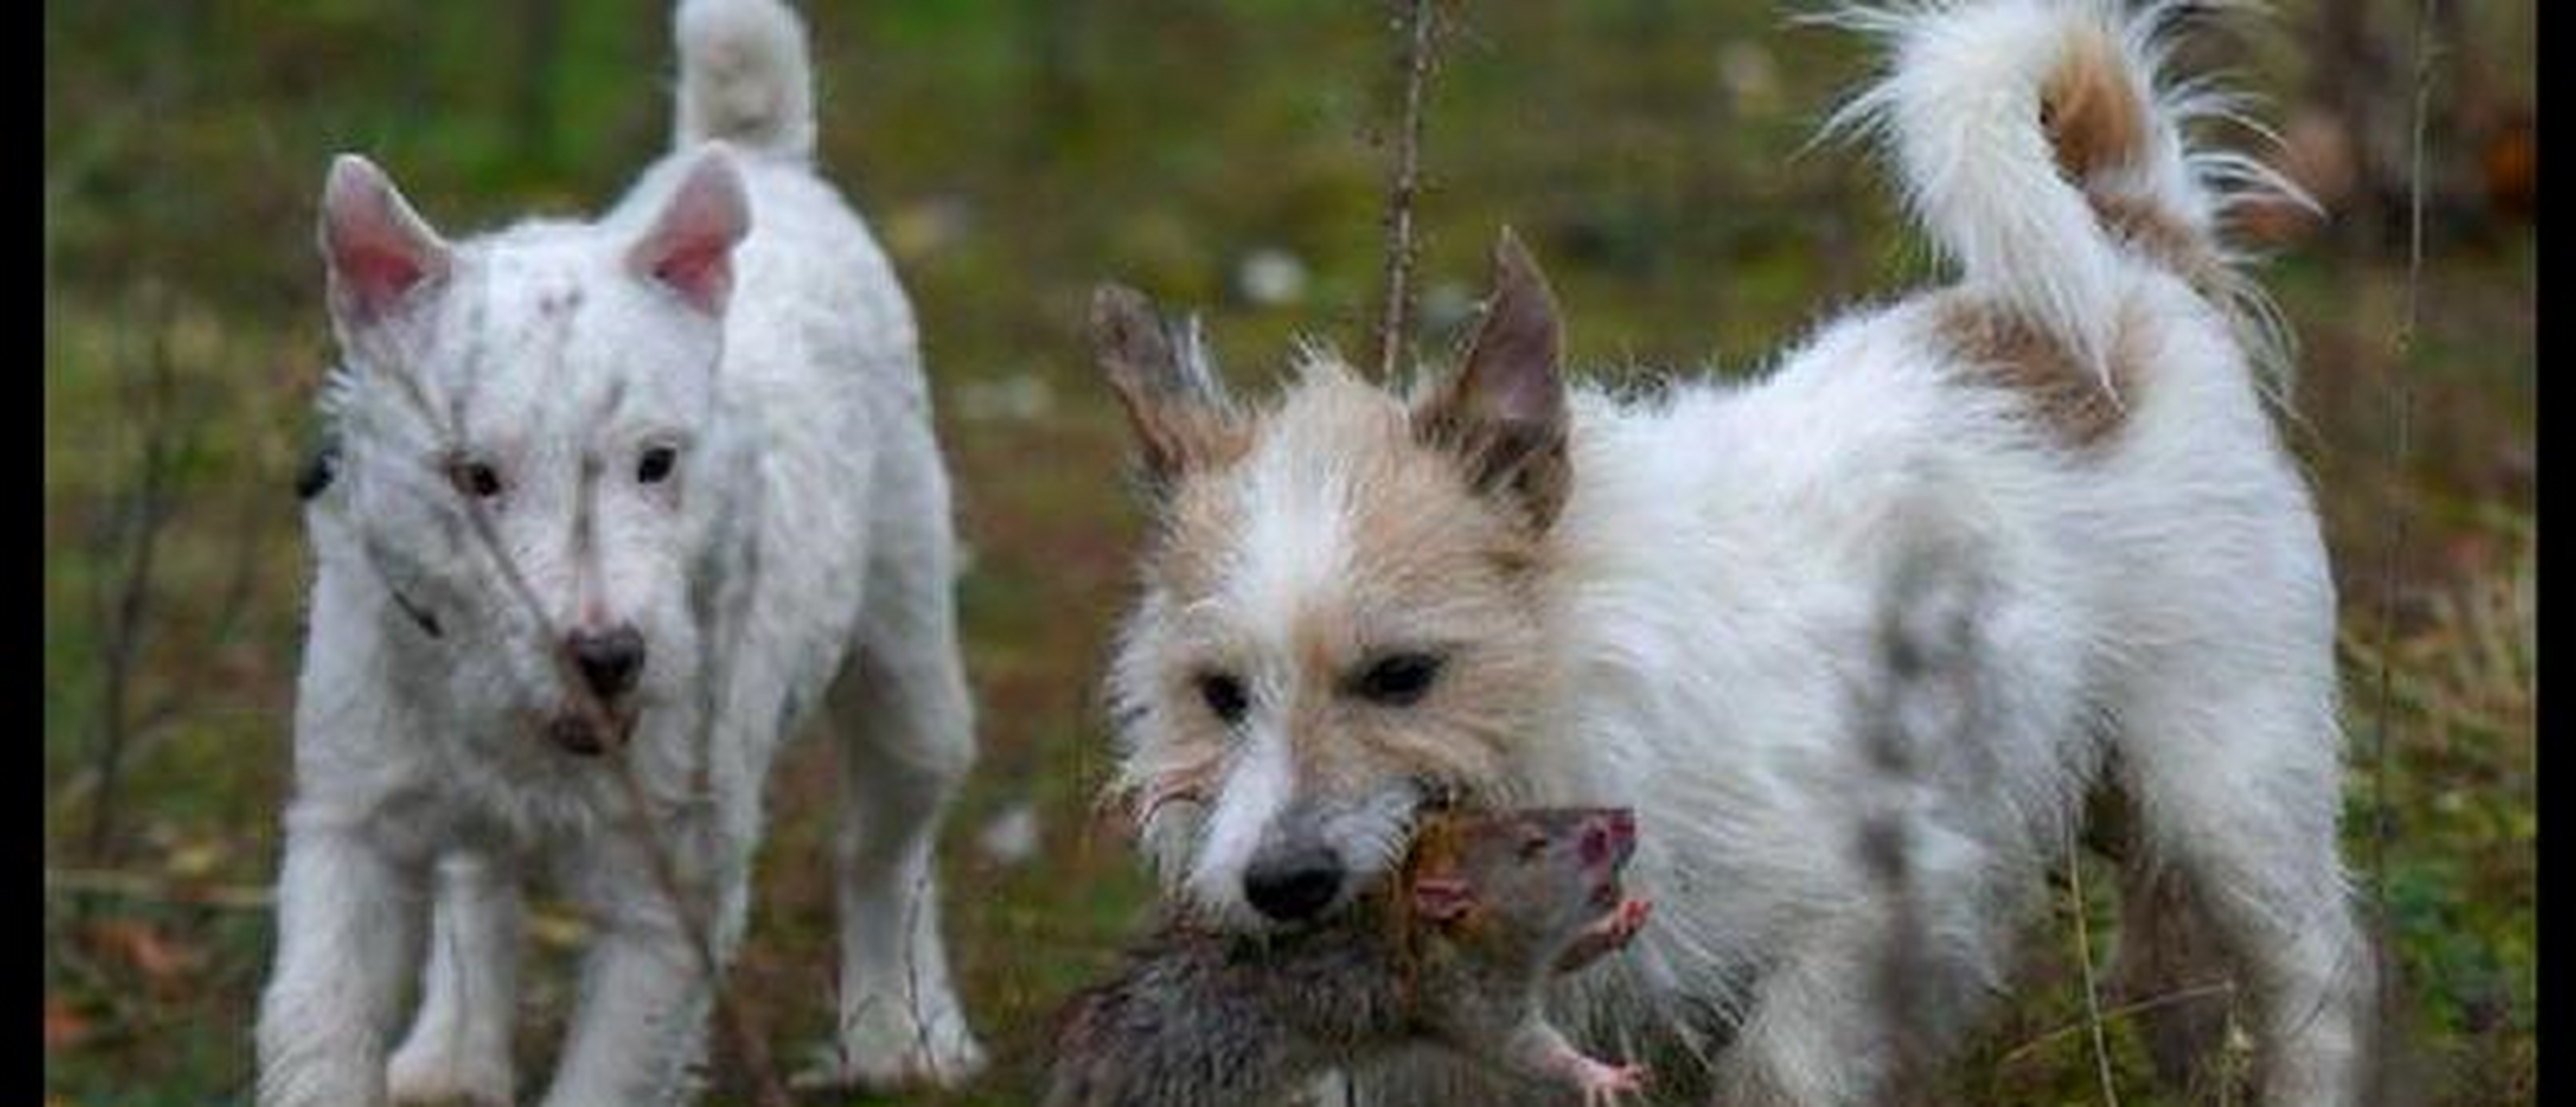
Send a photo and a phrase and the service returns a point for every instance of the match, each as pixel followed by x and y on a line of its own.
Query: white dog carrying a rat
pixel 605 504
pixel 1498 590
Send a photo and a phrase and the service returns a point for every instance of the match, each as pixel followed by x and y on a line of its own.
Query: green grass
pixel 184 148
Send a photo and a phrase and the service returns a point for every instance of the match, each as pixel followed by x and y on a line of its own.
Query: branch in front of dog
pixel 749 1045
pixel 1419 20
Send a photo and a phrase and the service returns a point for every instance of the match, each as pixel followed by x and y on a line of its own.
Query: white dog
pixel 698 430
pixel 1495 589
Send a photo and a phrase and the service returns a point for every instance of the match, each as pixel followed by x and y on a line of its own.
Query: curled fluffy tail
pixel 744 77
pixel 2040 147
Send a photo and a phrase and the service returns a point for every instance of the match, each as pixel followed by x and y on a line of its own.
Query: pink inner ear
pixel 379 275
pixel 700 273
pixel 1442 899
pixel 377 249
pixel 690 249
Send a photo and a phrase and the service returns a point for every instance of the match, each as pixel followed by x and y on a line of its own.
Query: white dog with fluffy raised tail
pixel 1493 589
pixel 610 501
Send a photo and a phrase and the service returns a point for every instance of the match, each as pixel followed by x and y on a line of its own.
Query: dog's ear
pixel 376 249
pixel 1165 380
pixel 689 250
pixel 1503 413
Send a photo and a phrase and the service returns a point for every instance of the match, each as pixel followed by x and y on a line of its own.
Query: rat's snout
pixel 609 660
pixel 1293 884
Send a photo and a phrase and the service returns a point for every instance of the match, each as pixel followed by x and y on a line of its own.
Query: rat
pixel 1455 952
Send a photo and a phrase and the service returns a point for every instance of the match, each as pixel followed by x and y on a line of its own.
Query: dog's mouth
pixel 585 734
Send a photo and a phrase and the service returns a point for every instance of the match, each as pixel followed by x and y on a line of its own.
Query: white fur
pixel 744 78
pixel 1716 583
pixel 804 534
pixel 1259 781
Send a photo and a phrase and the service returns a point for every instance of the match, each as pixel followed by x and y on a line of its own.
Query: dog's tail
pixel 2038 144
pixel 744 77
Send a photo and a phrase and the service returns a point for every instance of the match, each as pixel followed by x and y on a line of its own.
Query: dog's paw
pixel 420 1076
pixel 891 1055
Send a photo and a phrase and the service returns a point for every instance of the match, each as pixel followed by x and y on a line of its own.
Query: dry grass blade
pixel 2093 1019
pixel 2382 755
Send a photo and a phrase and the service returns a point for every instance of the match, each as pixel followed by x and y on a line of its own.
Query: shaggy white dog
pixel 613 503
pixel 1496 590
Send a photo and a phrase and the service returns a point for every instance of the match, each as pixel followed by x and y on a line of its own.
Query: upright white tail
pixel 2042 150
pixel 744 77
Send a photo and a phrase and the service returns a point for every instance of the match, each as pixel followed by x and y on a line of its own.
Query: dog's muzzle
pixel 1293 884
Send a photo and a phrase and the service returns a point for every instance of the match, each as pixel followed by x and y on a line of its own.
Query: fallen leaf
pixel 65 1028
pixel 144 947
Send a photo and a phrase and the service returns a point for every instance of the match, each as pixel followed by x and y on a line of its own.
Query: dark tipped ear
pixel 1442 899
pixel 1164 379
pixel 690 248
pixel 1503 413
pixel 375 248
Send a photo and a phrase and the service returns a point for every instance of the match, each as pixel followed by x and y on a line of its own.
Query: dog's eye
pixel 655 466
pixel 1533 846
pixel 1225 697
pixel 1397 679
pixel 474 478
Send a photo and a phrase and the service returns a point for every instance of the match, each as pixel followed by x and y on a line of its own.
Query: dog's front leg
pixel 639 1034
pixel 459 1044
pixel 347 913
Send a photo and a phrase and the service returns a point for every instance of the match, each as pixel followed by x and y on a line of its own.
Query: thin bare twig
pixel 1419 20
pixel 144 730
pixel 2134 1007
pixel 2384 745
pixel 144 514
pixel 147 888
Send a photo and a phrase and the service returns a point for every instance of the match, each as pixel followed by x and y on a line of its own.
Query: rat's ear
pixel 1443 899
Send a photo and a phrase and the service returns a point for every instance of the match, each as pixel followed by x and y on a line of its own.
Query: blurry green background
pixel 1223 155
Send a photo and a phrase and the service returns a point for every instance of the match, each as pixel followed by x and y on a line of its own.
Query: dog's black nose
pixel 1294 885
pixel 609 660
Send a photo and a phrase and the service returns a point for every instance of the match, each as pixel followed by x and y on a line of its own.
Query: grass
pixel 1645 150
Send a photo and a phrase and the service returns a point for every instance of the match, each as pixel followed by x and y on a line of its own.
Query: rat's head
pixel 1525 883
pixel 552 385
pixel 1343 613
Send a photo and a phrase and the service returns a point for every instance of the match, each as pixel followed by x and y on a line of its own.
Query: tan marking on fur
pixel 1180 419
pixel 2097 121
pixel 2095 118
pixel 2067 397
pixel 2158 234
pixel 1433 565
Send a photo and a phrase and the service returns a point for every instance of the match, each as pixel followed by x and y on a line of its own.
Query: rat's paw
pixel 1610 933
pixel 1623 924
pixel 1604 1084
